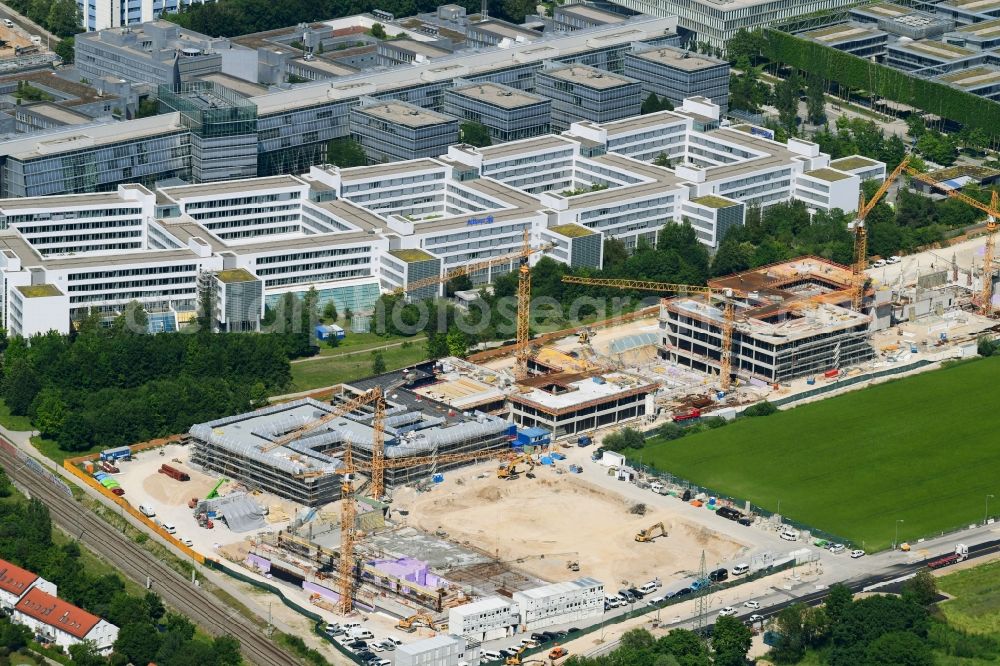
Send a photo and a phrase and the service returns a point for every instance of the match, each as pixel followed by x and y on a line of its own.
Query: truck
pixel 961 553
pixel 687 416
pixel 584 440
pixel 174 473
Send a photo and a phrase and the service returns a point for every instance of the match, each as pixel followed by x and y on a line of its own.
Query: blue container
pixel 437 478
pixel 811 381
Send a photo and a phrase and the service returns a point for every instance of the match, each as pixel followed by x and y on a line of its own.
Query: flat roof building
pixel 495 32
pixel 717 23
pixel 484 620
pixel 983 81
pixel 675 74
pixel 577 16
pixel 794 320
pixel 440 650
pixel 507 113
pixel 930 56
pixel 393 130
pixel 984 36
pixel 862 41
pixel 965 12
pixel 580 92
pixel 557 603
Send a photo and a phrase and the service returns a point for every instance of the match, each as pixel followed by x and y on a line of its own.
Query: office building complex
pixel 571 601
pixel 965 12
pixel 579 92
pixel 508 113
pixel 392 131
pixel 716 23
pixel 676 74
pixel 983 36
pixel 577 16
pixel 859 40
pixel 353 233
pixel 484 620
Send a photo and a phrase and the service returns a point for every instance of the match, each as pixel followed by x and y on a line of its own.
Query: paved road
pixel 27 24
pixel 138 564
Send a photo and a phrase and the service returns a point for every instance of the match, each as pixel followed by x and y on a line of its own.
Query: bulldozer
pixel 409 624
pixel 508 470
pixel 651 533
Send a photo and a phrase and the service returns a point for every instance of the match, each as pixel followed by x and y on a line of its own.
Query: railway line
pixel 135 562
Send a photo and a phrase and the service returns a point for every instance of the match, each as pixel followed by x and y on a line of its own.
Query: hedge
pixel 970 110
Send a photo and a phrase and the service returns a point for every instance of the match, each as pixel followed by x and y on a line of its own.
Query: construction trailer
pixel 440 650
pixel 560 602
pixel 484 620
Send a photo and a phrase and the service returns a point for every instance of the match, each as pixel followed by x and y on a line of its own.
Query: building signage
pixel 480 220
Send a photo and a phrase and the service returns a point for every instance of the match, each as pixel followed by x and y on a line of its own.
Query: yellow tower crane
pixel 728 313
pixel 861 234
pixel 985 298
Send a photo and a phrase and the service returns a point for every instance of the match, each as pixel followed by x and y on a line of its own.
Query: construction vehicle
pixel 409 624
pixel 861 235
pixel 509 469
pixel 214 492
pixel 985 298
pixel 651 532
pixel 689 415
pixel 728 314
pixel 960 555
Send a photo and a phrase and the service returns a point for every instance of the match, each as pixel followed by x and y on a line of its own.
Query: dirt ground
pixel 557 515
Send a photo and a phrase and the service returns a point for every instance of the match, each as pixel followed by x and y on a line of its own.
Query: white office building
pixel 355 233
pixel 484 620
pixel 559 603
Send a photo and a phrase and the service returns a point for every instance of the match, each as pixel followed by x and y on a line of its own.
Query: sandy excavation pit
pixel 564 518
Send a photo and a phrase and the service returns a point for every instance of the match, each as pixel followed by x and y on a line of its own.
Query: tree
pixel 49 412
pixel 377 31
pixel 937 147
pixel 786 100
pixel 227 651
pixel 65 49
pixel 986 346
pixel 475 134
pixel 515 11
pixel 460 283
pixel 63 18
pixel 615 253
pixel 330 310
pixel 652 104
pixel 746 90
pixel 915 126
pixel 346 153
pixel 745 45
pixel 437 345
pixel 921 589
pixel 731 641
pixel 457 343
pixel 378 363
pixel 837 603
pixel 20 386
pixel 686 646
pixel 815 100
pixel 138 642
pixel 899 648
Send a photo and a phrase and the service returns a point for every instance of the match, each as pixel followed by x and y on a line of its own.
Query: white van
pixel 490 655
pixel 360 634
pixel 740 569
pixel 147 510
pixel 648 587
pixel 8 23
pixel 169 528
pixel 789 534
pixel 350 626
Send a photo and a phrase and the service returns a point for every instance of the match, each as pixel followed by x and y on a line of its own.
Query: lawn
pixel 338 369
pixel 50 449
pixel 921 450
pixel 11 422
pixel 976 606
pixel 359 341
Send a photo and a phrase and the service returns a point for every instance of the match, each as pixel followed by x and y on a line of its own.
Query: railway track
pixel 135 562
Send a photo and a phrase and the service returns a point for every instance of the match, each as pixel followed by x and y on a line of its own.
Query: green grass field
pixel 976 606
pixel 332 370
pixel 921 449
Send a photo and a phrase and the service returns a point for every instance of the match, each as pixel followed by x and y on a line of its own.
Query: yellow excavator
pixel 515 659
pixel 651 533
pixel 410 624
pixel 508 470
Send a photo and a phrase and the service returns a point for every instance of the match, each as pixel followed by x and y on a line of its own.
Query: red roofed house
pixel 15 583
pixel 63 623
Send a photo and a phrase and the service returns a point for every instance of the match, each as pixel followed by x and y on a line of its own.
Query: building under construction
pixel 795 320
pixel 416 429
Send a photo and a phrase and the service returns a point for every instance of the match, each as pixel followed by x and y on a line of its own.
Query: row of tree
pixel 148 634
pixel 112 386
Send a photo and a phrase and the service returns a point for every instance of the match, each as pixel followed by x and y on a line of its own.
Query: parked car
pixel 837 548
pixel 855 554
pixel 538 637
pixel 728 611
pixel 878 263
pixel 657 600
pixel 756 617
pixel 893 260
pixel 740 569
pixel 719 575
pixel 186 541
pixel 683 591
pixel 752 604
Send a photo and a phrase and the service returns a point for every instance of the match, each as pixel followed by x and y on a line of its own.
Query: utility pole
pixel 701 604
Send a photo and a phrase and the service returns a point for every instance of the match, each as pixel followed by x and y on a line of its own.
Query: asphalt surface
pixel 202 607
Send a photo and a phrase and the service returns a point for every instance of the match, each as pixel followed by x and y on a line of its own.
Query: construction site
pixel 438 494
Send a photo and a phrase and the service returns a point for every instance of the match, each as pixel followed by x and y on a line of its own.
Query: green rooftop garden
pixel 828 175
pixel 39 291
pixel 235 275
pixel 410 256
pixel 849 163
pixel 713 201
pixel 571 230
